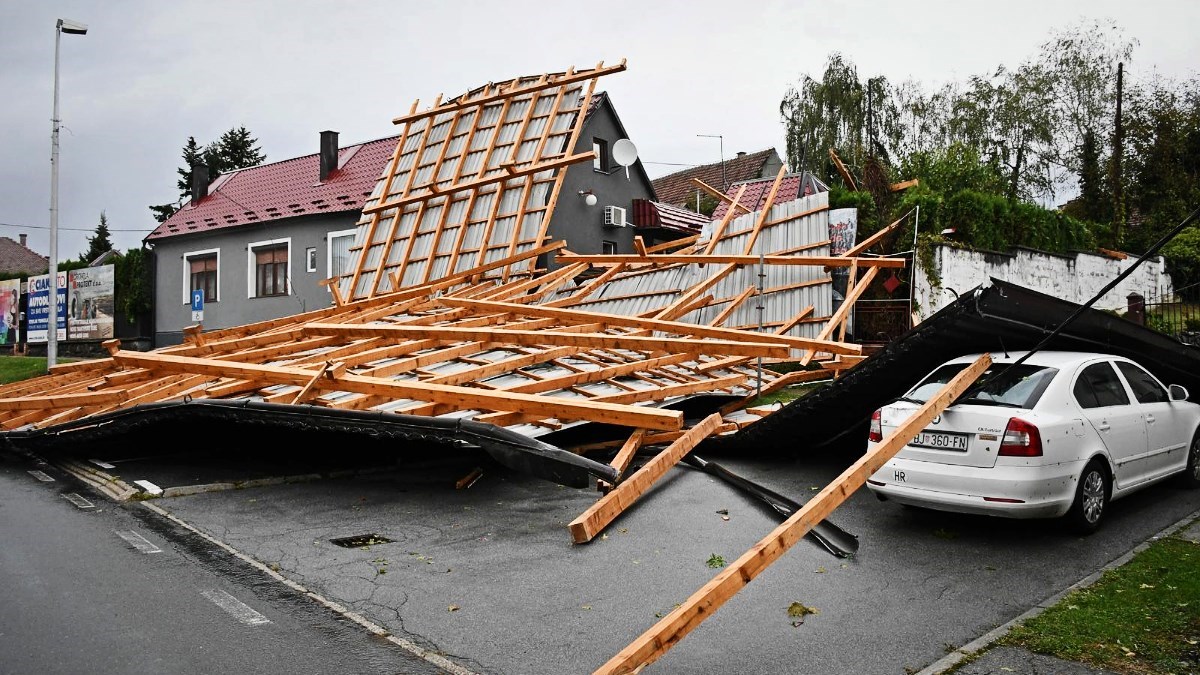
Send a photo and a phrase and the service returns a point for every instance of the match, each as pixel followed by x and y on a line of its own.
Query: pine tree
pixel 192 154
pixel 98 244
pixel 235 149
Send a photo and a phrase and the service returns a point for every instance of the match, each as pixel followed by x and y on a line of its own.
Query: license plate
pixel 940 440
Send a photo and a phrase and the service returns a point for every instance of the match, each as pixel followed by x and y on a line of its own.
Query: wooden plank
pixel 765 209
pixel 673 244
pixel 655 642
pixel 842 311
pixel 841 169
pixel 714 192
pixel 626 453
pixel 639 246
pixel 826 261
pixel 771 348
pixel 874 238
pixel 681 304
pixel 904 184
pixel 592 521
pixel 513 92
pixel 719 230
pixel 462 397
pixel 60 401
pixel 733 305
pixel 676 327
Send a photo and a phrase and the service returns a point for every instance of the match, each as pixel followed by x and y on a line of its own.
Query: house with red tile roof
pixel 677 189
pixel 258 242
pixel 18 259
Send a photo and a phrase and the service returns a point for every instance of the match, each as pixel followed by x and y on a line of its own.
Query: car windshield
pixel 1019 387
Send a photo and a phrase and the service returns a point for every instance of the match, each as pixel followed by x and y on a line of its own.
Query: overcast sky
pixel 149 73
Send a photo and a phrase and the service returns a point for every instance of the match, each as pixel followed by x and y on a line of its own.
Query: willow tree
pixel 856 119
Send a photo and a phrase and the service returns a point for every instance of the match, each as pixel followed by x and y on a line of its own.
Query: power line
pixel 72 229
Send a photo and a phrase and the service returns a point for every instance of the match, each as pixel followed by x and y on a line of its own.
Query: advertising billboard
pixel 91 303
pixel 10 311
pixel 38 314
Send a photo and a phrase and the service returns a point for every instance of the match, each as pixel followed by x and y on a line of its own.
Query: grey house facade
pixel 259 241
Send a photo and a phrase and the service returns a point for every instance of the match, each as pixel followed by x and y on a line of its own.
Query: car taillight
pixel 876 434
pixel 1021 439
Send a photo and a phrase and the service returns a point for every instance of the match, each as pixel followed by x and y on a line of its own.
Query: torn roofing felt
pixel 995 318
pixel 511 449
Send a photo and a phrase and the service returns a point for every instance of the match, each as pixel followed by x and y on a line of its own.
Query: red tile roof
pixel 757 190
pixel 654 214
pixel 18 259
pixel 284 189
pixel 677 188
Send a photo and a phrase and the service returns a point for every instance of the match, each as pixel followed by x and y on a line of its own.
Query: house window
pixel 200 273
pixel 310 254
pixel 339 244
pixel 601 161
pixel 269 262
pixel 609 248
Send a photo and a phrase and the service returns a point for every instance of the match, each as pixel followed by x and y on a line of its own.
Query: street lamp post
pixel 71 28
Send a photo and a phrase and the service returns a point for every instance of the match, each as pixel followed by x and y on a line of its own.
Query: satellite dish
pixel 624 152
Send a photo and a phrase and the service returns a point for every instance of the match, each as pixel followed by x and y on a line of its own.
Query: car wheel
pixel 1190 478
pixel 1091 498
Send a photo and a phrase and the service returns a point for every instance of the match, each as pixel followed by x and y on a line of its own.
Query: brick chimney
pixel 24 238
pixel 199 182
pixel 329 153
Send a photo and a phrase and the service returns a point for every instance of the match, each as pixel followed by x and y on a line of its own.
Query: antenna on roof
pixel 624 152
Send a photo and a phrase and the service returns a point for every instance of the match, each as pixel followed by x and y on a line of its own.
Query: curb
pixel 107 484
pixel 979 644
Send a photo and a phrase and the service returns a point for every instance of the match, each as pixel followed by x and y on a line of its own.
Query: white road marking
pixel 149 487
pixel 102 464
pixel 236 608
pixel 78 501
pixel 137 541
pixel 42 476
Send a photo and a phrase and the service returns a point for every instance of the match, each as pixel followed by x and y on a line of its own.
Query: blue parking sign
pixel 198 300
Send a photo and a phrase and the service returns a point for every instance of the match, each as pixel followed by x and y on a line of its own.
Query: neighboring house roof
pixel 284 189
pixel 15 259
pixel 656 214
pixel 757 191
pixel 678 188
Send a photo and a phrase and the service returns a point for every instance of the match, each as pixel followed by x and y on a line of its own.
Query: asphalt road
pixel 88 586
pixel 488 575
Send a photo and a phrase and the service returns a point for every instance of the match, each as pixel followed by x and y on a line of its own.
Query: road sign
pixel 198 305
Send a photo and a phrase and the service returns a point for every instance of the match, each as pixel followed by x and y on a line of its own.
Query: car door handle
pixel 1149 419
pixel 1104 426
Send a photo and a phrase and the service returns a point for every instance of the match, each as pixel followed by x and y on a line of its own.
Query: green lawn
pixel 1143 617
pixel 14 368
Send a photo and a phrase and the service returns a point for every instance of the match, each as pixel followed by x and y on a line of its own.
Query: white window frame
pixel 187 273
pixel 329 237
pixel 251 271
pixel 310 259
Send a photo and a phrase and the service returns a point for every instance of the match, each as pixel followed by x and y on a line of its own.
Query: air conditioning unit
pixel 614 216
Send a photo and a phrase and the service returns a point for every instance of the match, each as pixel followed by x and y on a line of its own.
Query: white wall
pixel 1075 277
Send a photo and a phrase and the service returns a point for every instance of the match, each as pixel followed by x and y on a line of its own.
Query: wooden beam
pixel 655 642
pixel 827 261
pixel 904 184
pixel 733 204
pixel 733 305
pixel 502 94
pixel 719 230
pixel 673 244
pixel 463 398
pixel 773 347
pixel 842 311
pixel 841 169
pixel 626 453
pixel 639 246
pixel 765 210
pixel 60 401
pixel 592 521
pixel 874 238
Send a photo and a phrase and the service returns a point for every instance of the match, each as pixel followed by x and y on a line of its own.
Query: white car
pixel 1061 434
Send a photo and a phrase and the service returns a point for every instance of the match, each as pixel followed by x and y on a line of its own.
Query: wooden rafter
pixel 673 627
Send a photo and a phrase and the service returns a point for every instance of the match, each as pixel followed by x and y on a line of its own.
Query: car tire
pixel 1190 478
pixel 1092 494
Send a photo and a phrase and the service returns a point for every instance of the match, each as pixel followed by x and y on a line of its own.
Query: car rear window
pixel 1015 387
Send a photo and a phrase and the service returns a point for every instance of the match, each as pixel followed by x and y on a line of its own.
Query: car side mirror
pixel 1178 393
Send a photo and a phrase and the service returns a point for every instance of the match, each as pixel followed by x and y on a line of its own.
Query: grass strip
pixel 1143 617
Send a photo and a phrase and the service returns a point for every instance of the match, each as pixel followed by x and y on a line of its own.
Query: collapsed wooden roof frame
pixel 424 330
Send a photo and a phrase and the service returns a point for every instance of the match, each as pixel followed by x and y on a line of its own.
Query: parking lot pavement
pixel 488 576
